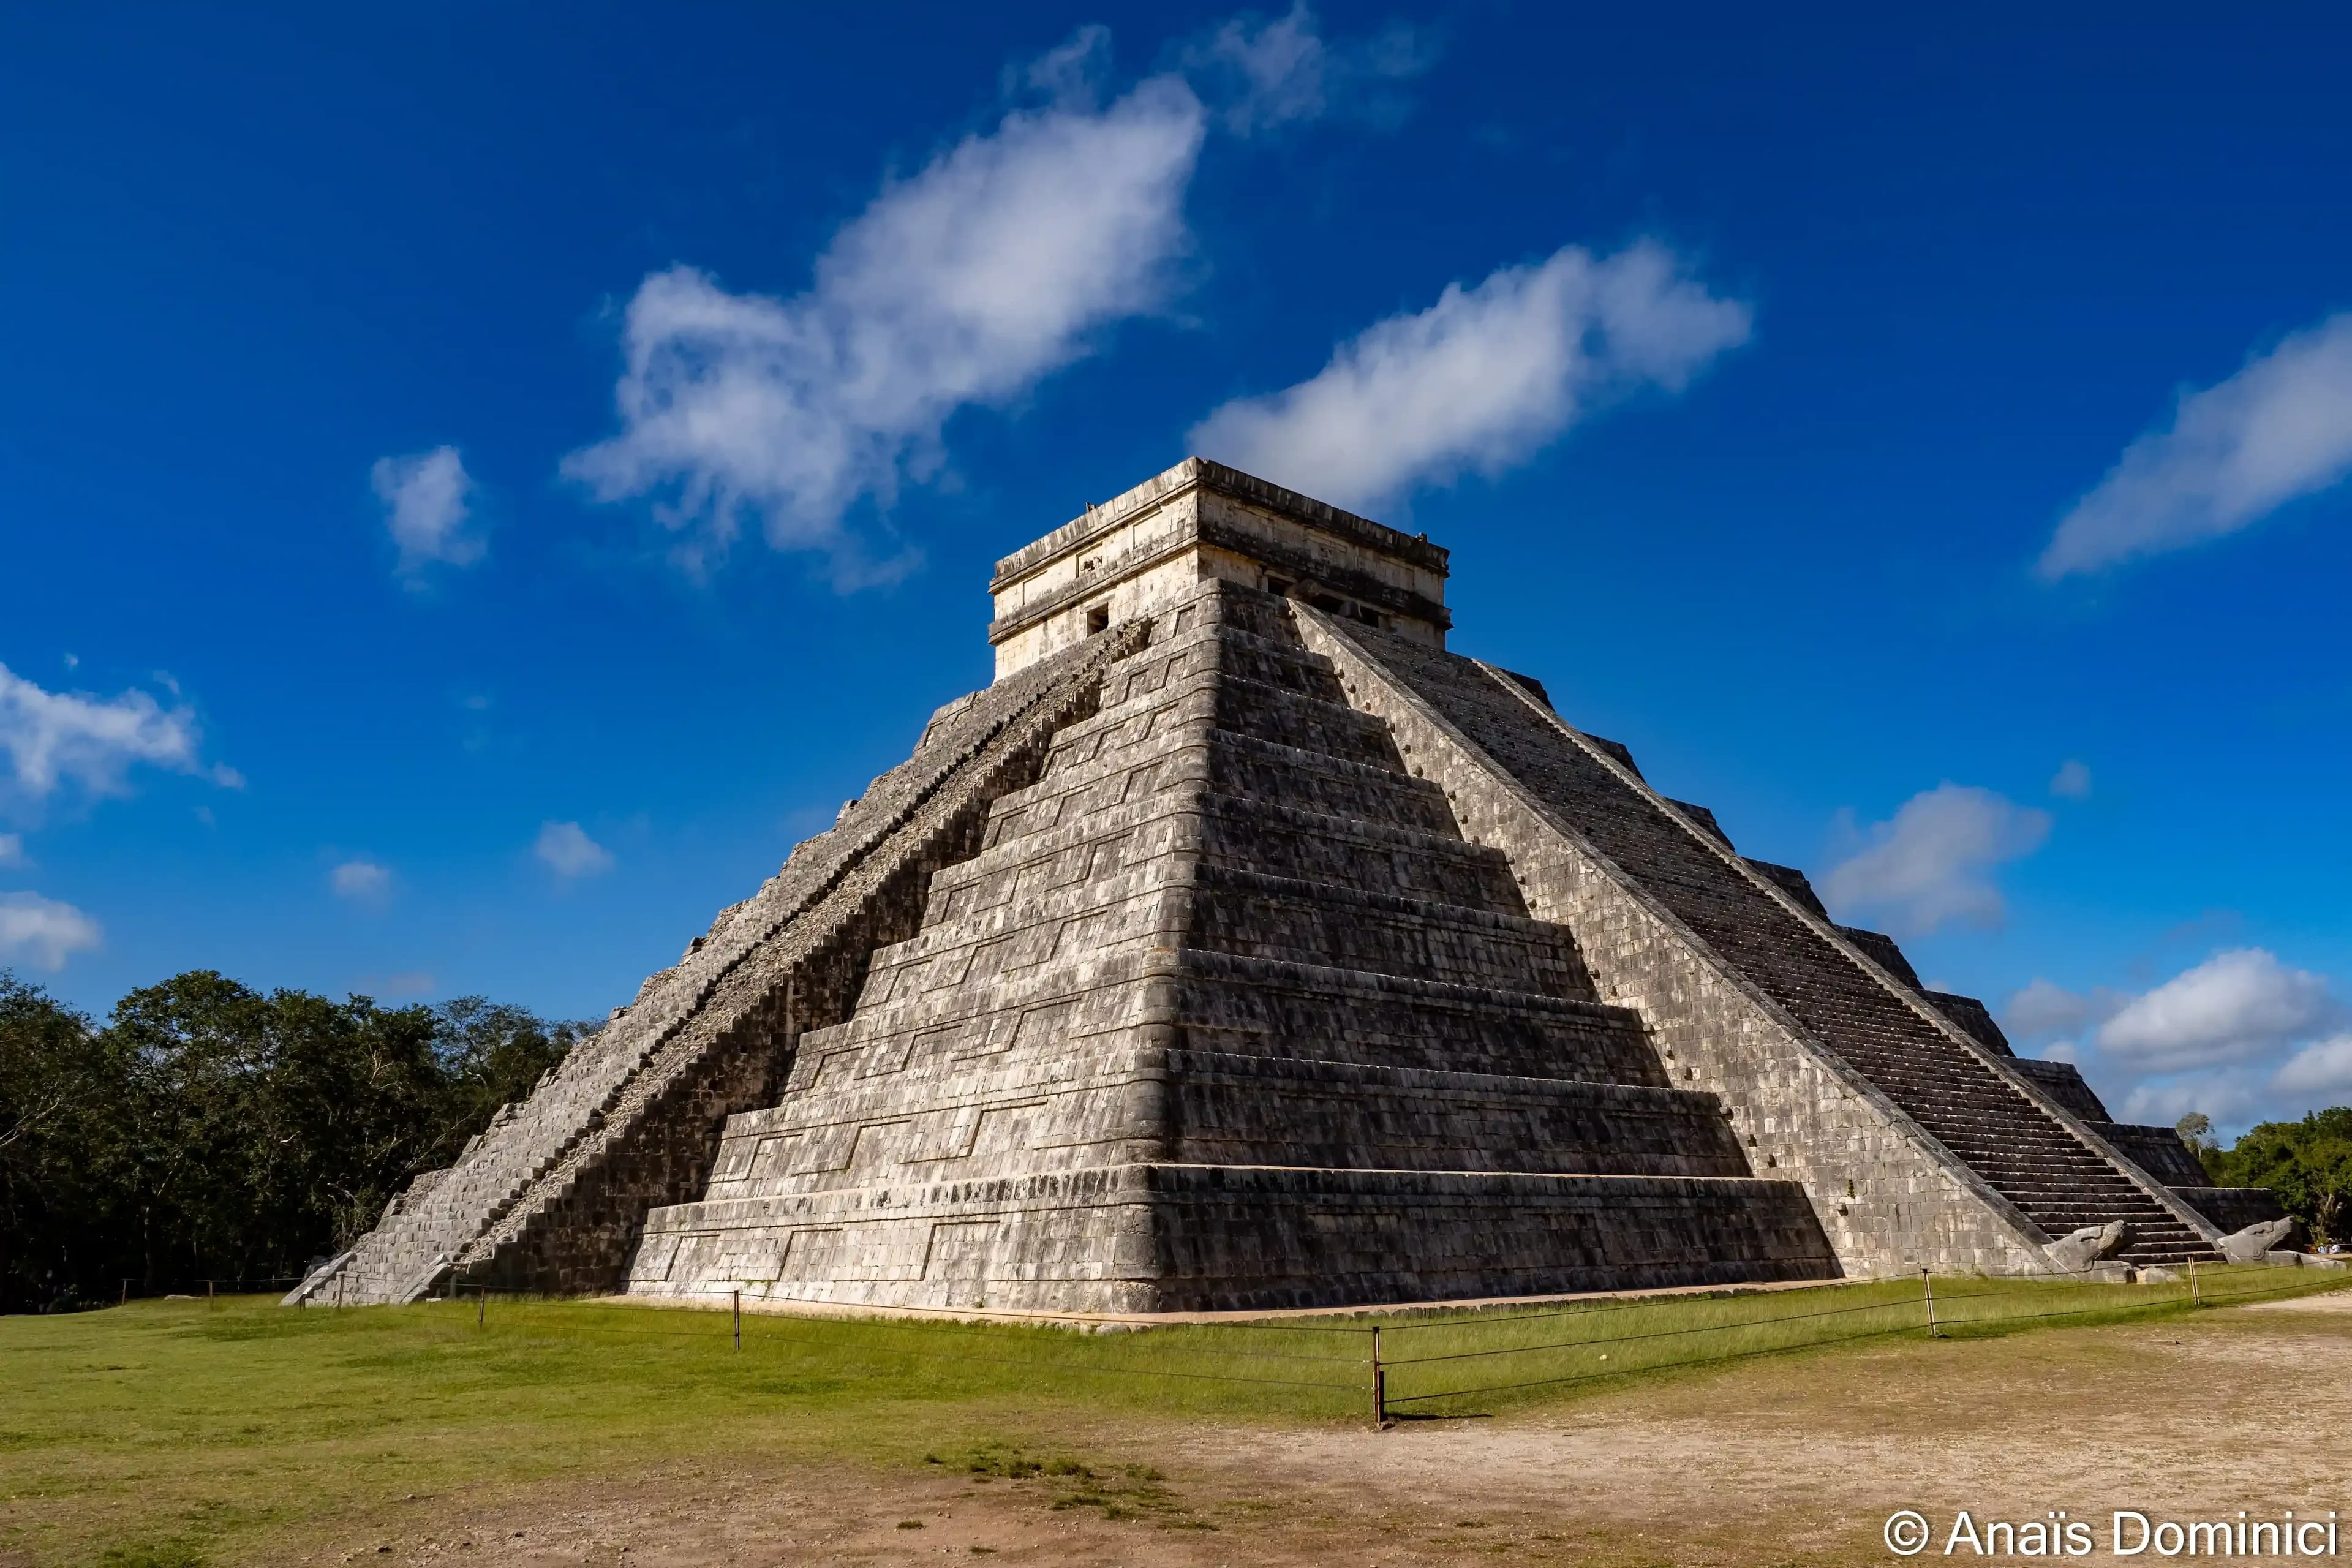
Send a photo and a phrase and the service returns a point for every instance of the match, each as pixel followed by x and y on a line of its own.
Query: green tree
pixel 212 1131
pixel 61 1093
pixel 2308 1163
pixel 267 1127
pixel 489 1054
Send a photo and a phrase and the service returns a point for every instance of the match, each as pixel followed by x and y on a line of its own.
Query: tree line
pixel 209 1131
pixel 2308 1163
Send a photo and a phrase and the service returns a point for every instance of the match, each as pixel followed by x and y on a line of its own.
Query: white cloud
pixel 2229 1098
pixel 997 263
pixel 1931 863
pixel 43 929
pixel 2240 1037
pixel 565 848
pixel 2322 1070
pixel 360 879
pixel 12 849
pixel 408 983
pixel 53 737
pixel 2279 429
pixel 1264 75
pixel 2045 1008
pixel 426 505
pixel 1482 379
pixel 2233 1007
pixel 2071 782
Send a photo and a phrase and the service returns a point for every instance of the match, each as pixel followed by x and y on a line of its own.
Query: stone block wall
pixel 1889 1198
pixel 543 1196
pixel 1226 1014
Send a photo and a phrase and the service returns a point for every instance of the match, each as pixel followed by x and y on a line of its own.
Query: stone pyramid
pixel 1240 947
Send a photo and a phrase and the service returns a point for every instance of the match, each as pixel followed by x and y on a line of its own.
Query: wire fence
pixel 130 1288
pixel 1434 1362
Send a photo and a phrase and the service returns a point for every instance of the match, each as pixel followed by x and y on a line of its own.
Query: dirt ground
pixel 1794 1460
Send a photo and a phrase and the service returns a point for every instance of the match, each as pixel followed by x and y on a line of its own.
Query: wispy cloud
pixel 44 931
pixel 2321 1072
pixel 2045 1007
pixel 2235 1006
pixel 12 849
pixel 2240 1035
pixel 1932 864
pixel 565 848
pixel 360 879
pixel 2072 781
pixel 1260 75
pixel 963 285
pixel 408 983
pixel 427 502
pixel 54 738
pixel 1482 379
pixel 2278 430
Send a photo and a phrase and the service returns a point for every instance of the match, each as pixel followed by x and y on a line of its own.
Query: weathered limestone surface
pixel 2077 1250
pixel 1150 548
pixel 2255 1243
pixel 1226 1014
pixel 2233 1208
pixel 553 1193
pixel 1917 1145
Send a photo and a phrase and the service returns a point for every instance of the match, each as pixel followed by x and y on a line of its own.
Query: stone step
pixel 1939 1082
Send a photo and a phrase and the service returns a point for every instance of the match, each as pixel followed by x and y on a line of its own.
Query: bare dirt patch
pixel 1797 1460
pixel 2333 1302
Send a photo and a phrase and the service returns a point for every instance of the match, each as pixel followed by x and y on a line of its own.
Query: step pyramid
pixel 1225 1015
pixel 1241 947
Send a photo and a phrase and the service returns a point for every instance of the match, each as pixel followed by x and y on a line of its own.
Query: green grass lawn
pixel 166 1431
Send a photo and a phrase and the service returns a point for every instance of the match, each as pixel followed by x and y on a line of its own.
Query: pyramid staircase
pixel 2008 1131
pixel 1227 1013
pixel 552 1194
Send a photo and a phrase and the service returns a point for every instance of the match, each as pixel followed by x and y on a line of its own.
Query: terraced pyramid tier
pixel 1830 986
pixel 552 1196
pixel 1227 1013
pixel 1241 947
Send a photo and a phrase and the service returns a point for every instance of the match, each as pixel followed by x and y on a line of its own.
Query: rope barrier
pixel 1660 1334
pixel 1694 1361
pixel 1732 1293
pixel 766 1336
pixel 857 1339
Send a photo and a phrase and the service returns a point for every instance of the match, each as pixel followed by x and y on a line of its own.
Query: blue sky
pixel 477 490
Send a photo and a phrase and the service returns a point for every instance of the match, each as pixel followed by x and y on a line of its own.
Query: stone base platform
pixel 1149 1238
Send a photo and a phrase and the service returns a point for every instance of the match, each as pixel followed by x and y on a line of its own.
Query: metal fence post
pixel 738 1319
pixel 2194 1299
pixel 1929 1282
pixel 482 1307
pixel 339 1292
pixel 1380 1384
pixel 209 1295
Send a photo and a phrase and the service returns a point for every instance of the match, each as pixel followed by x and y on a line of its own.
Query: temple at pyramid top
pixel 1143 550
pixel 1242 945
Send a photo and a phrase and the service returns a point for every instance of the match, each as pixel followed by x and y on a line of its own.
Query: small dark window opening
pixel 1275 585
pixel 1370 618
pixel 1326 603
pixel 1097 619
